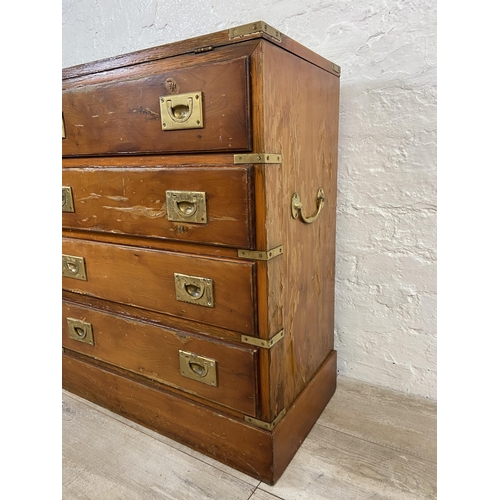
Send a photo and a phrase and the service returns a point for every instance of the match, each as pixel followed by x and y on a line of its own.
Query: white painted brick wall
pixel 386 262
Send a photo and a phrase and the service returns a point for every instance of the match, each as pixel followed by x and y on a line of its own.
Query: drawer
pixel 168 356
pixel 211 291
pixel 202 204
pixel 127 116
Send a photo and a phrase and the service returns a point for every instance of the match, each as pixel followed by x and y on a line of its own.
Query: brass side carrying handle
pixel 297 207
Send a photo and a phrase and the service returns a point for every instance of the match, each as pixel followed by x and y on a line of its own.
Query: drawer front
pixel 208 290
pixel 160 354
pixel 125 117
pixel 204 204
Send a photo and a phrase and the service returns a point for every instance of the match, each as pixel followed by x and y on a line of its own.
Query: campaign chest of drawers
pixel 199 202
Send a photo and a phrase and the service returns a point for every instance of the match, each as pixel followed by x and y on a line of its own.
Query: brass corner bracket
pixel 257 158
pixel 257 27
pixel 336 69
pixel 266 344
pixel 268 426
pixel 261 255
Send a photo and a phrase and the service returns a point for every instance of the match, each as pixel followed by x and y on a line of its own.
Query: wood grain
pixel 163 439
pixel 133 313
pixel 222 437
pixel 260 96
pixel 406 424
pixel 123 116
pixel 132 201
pixel 331 465
pixel 246 448
pixel 263 495
pixel 153 161
pixel 215 40
pixel 145 279
pixel 153 351
pixel 302 415
pixel 104 458
pixel 306 106
pixel 152 243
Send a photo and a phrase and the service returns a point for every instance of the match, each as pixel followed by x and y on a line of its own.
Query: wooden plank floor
pixel 369 443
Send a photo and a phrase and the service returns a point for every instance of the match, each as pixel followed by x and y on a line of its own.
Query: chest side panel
pixel 300 109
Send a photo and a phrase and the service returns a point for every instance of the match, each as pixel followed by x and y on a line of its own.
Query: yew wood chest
pixel 199 200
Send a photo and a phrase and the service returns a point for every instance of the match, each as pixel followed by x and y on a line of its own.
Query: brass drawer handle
pixel 297 207
pixel 80 330
pixel 194 289
pixel 199 368
pixel 187 206
pixel 74 267
pixel 182 111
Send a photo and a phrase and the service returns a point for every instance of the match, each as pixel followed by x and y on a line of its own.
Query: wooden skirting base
pixel 259 453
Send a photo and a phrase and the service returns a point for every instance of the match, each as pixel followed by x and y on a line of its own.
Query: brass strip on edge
pixel 266 344
pixel 336 69
pixel 268 426
pixel 257 158
pixel 261 255
pixel 257 27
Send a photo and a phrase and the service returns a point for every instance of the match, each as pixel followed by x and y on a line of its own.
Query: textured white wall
pixel 386 262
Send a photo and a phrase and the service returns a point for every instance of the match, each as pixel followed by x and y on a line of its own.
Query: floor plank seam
pixel 269 494
pixel 112 415
pixel 379 444
pixel 253 491
pixel 397 471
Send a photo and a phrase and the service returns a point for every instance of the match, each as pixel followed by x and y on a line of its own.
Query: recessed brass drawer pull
pixel 80 330
pixel 74 267
pixel 194 289
pixel 297 207
pixel 198 368
pixel 182 111
pixel 67 199
pixel 187 206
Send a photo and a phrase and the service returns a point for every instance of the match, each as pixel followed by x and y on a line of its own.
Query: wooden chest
pixel 199 200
